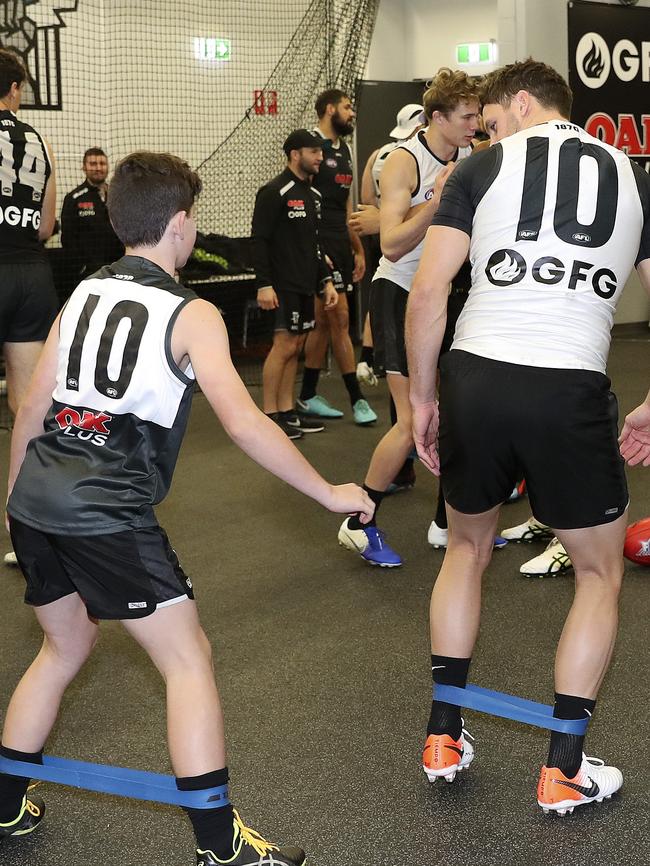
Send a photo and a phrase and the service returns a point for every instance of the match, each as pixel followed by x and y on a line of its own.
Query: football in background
pixel 637 542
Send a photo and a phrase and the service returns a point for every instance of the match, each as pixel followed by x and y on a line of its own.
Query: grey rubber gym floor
pixel 323 667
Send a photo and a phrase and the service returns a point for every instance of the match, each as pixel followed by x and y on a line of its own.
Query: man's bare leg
pixel 20 362
pixel 282 352
pixel 589 633
pixel 395 446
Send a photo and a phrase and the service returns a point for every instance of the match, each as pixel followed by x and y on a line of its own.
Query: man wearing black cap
pixel 290 270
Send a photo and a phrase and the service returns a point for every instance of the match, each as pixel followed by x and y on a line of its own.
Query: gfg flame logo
pixel 626 60
pixel 505 268
pixel 593 61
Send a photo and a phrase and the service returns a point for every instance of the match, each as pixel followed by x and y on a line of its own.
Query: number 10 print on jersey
pixel 555 219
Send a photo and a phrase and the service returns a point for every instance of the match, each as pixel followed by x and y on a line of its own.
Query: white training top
pixel 557 220
pixel 428 167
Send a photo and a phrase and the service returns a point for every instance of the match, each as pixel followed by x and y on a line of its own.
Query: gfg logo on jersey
pixel 508 267
pixel 595 61
pixel 88 426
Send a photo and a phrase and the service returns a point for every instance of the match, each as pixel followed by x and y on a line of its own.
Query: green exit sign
pixel 470 53
pixel 212 48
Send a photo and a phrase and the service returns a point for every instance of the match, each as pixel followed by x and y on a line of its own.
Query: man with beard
pixel 344 249
pixel 553 220
pixel 290 270
pixel 87 235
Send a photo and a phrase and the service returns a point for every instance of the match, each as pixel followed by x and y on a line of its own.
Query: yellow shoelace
pixel 32 809
pixel 253 838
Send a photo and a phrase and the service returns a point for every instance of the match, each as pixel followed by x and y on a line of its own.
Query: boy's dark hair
pixel 540 80
pixel 146 191
pixel 93 151
pixel 446 90
pixel 12 69
pixel 328 97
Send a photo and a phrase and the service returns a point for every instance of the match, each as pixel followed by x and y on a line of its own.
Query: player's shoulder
pixel 479 169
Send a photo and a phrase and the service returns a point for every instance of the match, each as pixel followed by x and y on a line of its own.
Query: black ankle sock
pixel 441 511
pixel 445 718
pixel 213 828
pixel 14 788
pixel 309 383
pixel 376 496
pixel 368 355
pixel 352 384
pixel 565 751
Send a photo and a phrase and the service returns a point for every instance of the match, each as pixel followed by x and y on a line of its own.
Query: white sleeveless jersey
pixel 378 164
pixel 428 166
pixel 119 408
pixel 556 219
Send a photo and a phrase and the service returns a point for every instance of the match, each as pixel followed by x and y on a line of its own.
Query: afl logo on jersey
pixel 429 194
pixel 505 268
pixel 330 162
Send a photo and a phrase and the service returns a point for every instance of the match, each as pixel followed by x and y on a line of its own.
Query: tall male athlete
pixel 290 269
pixel 93 450
pixel 28 301
pixel 554 220
pixel 411 184
pixel 344 250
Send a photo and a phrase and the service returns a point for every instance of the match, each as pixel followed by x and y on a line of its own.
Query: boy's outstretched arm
pixel 200 335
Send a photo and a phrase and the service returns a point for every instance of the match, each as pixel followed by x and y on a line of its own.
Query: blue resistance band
pixel 508 707
pixel 121 781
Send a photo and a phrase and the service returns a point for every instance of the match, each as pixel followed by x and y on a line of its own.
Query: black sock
pixel 565 751
pixel 441 511
pixel 368 355
pixel 14 788
pixel 376 496
pixel 309 383
pixel 213 828
pixel 352 384
pixel 445 718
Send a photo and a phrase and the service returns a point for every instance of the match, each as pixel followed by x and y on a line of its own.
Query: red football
pixel 637 542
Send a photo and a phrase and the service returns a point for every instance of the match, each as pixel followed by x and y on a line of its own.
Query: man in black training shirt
pixel 290 270
pixel 344 249
pixel 87 235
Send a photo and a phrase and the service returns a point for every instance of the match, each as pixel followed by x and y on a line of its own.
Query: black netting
pixel 220 84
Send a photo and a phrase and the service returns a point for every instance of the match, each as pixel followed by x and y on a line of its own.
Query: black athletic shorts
pixel 28 302
pixel 339 252
pixel 124 575
pixel 295 313
pixel 556 427
pixel 387 315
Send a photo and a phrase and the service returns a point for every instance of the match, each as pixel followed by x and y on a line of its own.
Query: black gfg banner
pixel 609 73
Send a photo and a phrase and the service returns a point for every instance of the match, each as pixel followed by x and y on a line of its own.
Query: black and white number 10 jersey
pixel 119 409
pixel 557 221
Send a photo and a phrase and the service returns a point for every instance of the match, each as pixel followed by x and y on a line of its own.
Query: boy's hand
pixel 351 499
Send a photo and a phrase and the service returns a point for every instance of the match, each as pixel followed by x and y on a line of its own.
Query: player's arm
pixel 35 404
pixel 357 247
pixel 635 436
pixel 400 230
pixel 200 335
pixel 268 206
pixel 445 250
pixel 48 208
pixel 367 192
